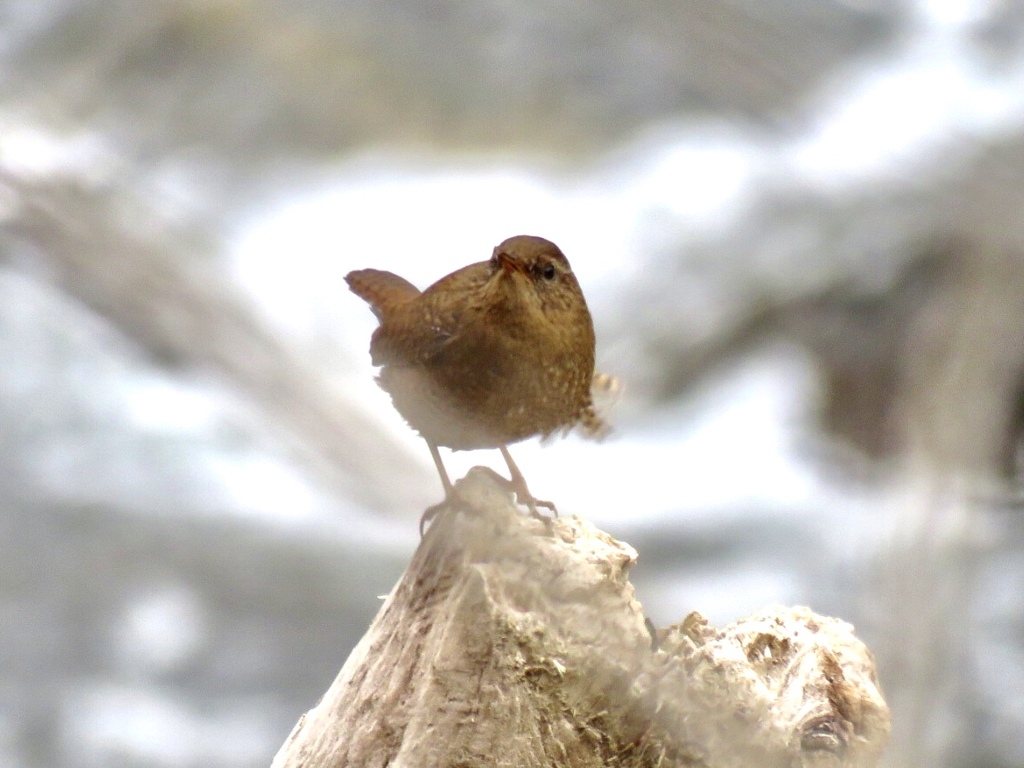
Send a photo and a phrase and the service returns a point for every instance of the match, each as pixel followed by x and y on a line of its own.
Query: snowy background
pixel 800 229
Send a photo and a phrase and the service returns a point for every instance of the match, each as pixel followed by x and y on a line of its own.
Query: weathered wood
pixel 511 642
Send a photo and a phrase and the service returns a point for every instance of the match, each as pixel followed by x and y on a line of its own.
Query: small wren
pixel 494 353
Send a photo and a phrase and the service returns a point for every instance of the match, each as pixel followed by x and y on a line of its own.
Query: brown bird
pixel 494 353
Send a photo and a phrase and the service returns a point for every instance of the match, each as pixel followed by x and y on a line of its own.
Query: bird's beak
pixel 508 264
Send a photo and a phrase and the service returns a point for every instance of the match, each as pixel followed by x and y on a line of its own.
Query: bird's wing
pixel 417 335
pixel 438 320
pixel 416 327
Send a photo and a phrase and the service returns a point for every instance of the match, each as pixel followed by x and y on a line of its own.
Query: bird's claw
pixel 430 513
pixel 523 496
pixel 516 486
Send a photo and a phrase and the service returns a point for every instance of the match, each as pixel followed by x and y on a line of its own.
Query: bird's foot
pixel 532 504
pixel 452 500
pixel 523 496
pixel 431 512
pixel 517 486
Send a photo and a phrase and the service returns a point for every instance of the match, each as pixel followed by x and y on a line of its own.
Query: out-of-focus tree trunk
pixel 156 291
pixel 958 415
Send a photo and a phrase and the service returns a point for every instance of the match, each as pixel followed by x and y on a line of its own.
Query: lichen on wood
pixel 510 641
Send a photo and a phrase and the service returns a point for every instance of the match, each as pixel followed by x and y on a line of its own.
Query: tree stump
pixel 510 641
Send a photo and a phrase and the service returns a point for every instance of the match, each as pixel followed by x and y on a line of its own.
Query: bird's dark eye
pixel 548 272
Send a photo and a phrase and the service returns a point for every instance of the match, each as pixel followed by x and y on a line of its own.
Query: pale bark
pixel 512 642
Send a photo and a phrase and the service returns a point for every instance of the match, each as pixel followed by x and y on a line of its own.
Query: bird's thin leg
pixel 436 456
pixel 523 494
pixel 429 513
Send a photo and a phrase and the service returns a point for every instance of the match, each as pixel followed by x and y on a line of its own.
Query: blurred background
pixel 800 228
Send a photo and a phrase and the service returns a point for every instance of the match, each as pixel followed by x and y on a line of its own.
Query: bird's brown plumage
pixel 494 353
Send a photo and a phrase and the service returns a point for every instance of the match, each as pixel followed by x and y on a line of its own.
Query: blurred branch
pixel 157 293
pixel 260 81
pixel 515 642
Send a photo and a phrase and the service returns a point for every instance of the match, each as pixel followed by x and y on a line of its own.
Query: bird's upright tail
pixel 380 289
